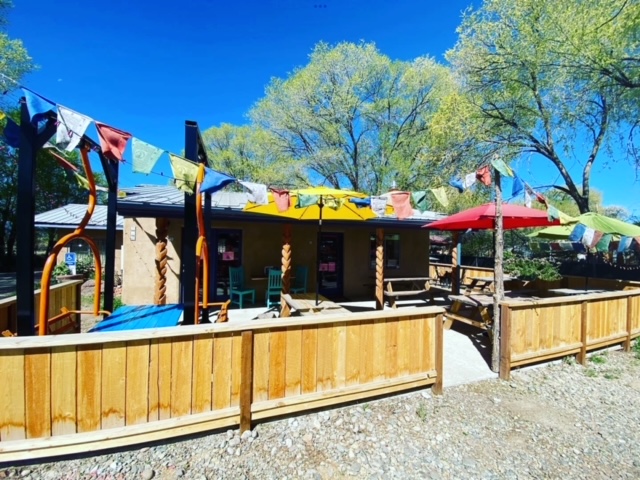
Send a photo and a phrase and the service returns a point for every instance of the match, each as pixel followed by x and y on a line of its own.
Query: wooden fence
pixel 85 392
pixel 547 328
pixel 66 294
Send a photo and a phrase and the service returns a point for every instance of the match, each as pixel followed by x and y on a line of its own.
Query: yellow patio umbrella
pixel 317 204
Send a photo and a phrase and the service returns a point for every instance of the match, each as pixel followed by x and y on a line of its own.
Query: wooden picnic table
pixel 482 284
pixel 416 287
pixel 477 308
pixel 305 304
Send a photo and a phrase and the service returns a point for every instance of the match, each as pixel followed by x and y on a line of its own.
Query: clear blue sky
pixel 146 67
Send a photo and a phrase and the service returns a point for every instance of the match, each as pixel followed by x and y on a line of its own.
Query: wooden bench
pixel 477 307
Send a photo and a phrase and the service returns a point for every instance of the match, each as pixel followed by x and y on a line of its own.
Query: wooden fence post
pixel 246 381
pixel 627 342
pixel 582 356
pixel 505 343
pixel 437 387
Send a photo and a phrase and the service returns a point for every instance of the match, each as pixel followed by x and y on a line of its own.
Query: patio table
pixel 305 304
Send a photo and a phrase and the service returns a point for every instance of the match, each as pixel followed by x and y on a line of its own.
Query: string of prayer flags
pixel 71 127
pixel 457 184
pixel 214 181
pixel 540 198
pixel 517 186
pixel 12 133
pixel 145 156
pixel 257 192
pixel 441 196
pixel 333 203
pixel 577 233
pixel 307 200
pixel 37 106
pixel 420 200
pixel 184 172
pixel 282 198
pixel 527 199
pixel 359 202
pixel 112 141
pixel 379 205
pixel 483 175
pixel 587 236
pixel 625 243
pixel 469 180
pixel 596 238
pixel 502 167
pixel 401 202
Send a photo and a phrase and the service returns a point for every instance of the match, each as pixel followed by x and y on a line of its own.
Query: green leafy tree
pixel 354 118
pixel 247 152
pixel 530 101
pixel 15 61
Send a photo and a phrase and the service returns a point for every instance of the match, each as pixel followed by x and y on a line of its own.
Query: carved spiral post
pixel 286 267
pixel 162 230
pixel 379 268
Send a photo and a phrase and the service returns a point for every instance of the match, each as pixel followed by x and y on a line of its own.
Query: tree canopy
pixel 15 61
pixel 512 60
pixel 356 119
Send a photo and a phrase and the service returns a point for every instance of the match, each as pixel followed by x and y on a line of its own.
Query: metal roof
pixel 168 201
pixel 71 215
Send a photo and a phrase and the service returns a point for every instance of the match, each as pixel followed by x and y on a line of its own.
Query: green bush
pixel 86 267
pixel 61 269
pixel 530 268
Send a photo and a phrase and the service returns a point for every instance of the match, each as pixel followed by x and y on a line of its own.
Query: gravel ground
pixel 558 421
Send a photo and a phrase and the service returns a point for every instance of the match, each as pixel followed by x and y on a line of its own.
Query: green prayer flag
pixel 420 200
pixel 502 167
pixel 307 200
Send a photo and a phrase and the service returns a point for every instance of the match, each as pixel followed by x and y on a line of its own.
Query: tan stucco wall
pixel 139 275
pixel 262 246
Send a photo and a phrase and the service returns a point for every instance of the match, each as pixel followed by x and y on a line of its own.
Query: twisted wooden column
pixel 286 267
pixel 379 268
pixel 162 230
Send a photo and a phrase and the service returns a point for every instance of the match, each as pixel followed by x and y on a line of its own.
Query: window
pixel 391 251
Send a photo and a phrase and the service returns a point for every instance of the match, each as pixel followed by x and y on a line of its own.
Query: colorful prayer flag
pixel 112 141
pixel 214 181
pixel 257 192
pixel 402 205
pixel 184 172
pixel 420 200
pixel 307 200
pixel 441 196
pixel 37 106
pixel 145 156
pixel 457 184
pixel 12 133
pixel 71 127
pixel 483 175
pixel 502 167
pixel 517 186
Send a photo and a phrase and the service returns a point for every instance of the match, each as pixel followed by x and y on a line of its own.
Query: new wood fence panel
pixel 37 383
pixel 415 345
pixel 114 380
pixel 339 364
pixel 277 363
pixel 324 358
pixel 137 382
pixel 12 401
pixel 635 315
pixel 236 369
pixel 352 363
pixel 293 359
pixel 309 359
pixel 165 355
pixel 63 390
pixel 428 341
pixel 154 386
pixel 89 381
pixel 202 370
pixel 222 355
pixel 391 350
pixel 606 318
pixel 379 349
pixel 367 351
pixel 404 353
pixel 181 376
pixel 261 365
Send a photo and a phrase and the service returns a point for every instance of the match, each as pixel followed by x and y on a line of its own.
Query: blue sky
pixel 146 67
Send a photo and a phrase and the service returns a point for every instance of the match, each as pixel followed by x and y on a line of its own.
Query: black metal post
pixel 111 172
pixel 30 142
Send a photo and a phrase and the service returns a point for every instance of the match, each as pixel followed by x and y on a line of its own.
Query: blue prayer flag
pixel 517 187
pixel 457 184
pixel 361 202
pixel 214 181
pixel 577 233
pixel 37 106
pixel 12 133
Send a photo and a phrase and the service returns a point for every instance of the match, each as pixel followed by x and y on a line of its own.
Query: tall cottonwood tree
pixel 356 119
pixel 509 59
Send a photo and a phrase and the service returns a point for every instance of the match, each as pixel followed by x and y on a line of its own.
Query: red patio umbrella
pixel 484 218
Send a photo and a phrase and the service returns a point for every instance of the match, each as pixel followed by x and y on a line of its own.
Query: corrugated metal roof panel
pixel 72 215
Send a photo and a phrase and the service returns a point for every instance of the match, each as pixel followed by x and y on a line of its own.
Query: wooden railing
pixel 85 392
pixel 66 294
pixel 547 328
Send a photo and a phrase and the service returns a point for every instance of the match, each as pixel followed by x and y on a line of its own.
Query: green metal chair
pixel 300 280
pixel 274 287
pixel 237 288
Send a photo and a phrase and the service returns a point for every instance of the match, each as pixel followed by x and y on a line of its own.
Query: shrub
pixel 86 267
pixel 530 268
pixel 61 269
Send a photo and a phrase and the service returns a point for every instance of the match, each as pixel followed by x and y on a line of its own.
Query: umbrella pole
pixel 320 205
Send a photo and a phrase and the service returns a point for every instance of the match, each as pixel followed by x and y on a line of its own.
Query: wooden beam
pixel 582 356
pixel 379 268
pixel 246 381
pixel 439 353
pixel 505 340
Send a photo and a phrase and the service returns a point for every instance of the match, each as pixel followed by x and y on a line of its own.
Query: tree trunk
pixel 498 294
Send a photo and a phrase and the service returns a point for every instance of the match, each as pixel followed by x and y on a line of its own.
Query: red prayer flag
pixel 112 141
pixel 402 205
pixel 483 175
